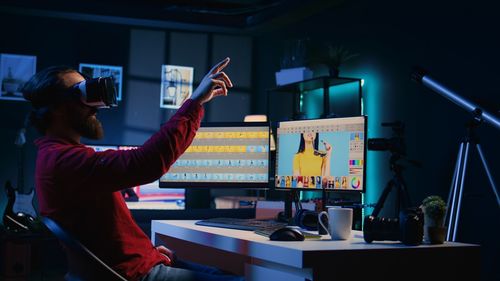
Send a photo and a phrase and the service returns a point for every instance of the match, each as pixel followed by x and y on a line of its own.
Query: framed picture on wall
pixel 99 70
pixel 15 70
pixel 176 85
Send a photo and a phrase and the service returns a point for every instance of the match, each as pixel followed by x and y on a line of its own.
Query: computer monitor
pixel 149 192
pixel 100 148
pixel 321 154
pixel 234 155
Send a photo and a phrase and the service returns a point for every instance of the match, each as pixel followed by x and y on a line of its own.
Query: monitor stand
pixel 292 197
pixel 286 215
pixel 197 198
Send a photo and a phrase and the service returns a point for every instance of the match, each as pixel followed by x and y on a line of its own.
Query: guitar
pixel 23 202
pixel 19 212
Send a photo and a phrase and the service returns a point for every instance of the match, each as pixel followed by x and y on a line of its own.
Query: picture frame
pixel 100 70
pixel 15 71
pixel 176 85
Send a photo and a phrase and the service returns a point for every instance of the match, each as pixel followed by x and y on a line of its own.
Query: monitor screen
pixel 224 155
pixel 100 148
pixel 149 192
pixel 322 153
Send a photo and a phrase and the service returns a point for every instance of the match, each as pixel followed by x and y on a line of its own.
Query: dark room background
pixel 457 42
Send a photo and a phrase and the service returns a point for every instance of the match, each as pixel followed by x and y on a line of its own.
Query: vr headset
pixel 97 92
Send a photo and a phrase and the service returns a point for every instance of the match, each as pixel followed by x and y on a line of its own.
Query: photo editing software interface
pixel 223 155
pixel 323 153
pixel 150 192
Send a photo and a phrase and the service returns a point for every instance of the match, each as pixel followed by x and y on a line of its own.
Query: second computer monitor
pixel 224 155
pixel 322 154
pixel 149 192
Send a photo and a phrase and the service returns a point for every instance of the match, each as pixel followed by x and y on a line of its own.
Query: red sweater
pixel 79 188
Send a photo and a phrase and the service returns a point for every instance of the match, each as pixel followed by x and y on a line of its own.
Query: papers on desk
pixel 307 234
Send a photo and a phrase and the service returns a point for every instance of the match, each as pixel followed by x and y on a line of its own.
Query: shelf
pixel 291 96
pixel 314 83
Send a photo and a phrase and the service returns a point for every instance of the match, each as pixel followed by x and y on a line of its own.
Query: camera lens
pixel 412 226
pixel 376 228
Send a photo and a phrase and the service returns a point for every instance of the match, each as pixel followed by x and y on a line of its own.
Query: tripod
pixel 397 182
pixel 457 185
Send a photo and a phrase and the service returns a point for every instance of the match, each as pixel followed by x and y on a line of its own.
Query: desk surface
pixel 296 254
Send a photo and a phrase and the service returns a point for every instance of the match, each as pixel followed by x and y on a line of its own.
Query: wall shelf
pixel 324 82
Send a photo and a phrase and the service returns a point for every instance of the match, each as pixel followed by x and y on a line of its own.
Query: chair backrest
pixel 83 264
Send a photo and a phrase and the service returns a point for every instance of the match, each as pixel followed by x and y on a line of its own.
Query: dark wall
pixel 456 42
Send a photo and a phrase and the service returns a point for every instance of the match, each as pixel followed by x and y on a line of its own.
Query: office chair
pixel 82 263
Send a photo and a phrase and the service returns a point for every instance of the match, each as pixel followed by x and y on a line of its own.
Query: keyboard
pixel 242 224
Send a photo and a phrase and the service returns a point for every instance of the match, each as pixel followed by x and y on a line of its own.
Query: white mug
pixel 339 222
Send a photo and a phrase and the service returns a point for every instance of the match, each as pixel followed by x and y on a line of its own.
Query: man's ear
pixel 60 111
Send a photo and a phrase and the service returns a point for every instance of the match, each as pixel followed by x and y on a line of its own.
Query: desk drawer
pixel 258 273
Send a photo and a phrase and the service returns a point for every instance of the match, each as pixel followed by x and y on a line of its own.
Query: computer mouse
pixel 286 234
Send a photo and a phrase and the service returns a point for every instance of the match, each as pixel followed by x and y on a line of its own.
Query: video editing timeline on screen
pixel 224 155
pixel 325 153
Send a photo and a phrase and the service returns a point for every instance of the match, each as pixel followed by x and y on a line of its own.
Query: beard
pixel 91 128
pixel 88 126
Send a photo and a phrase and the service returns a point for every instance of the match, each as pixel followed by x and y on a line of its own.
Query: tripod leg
pixel 405 195
pixel 490 178
pixel 383 197
pixel 450 206
pixel 452 197
pixel 460 191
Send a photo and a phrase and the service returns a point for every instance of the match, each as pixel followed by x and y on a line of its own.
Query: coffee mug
pixel 339 222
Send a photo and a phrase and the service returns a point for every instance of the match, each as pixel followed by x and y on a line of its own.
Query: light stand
pixel 479 116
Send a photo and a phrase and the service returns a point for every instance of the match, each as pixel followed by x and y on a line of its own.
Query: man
pixel 80 188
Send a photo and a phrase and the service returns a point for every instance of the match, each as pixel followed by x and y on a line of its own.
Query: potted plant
pixel 336 56
pixel 434 209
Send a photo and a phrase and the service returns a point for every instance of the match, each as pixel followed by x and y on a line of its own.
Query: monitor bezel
pixel 325 189
pixel 228 185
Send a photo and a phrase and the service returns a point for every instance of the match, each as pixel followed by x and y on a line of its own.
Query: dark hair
pixel 42 91
pixel 302 145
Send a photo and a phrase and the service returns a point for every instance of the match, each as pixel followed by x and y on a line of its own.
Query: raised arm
pixel 114 170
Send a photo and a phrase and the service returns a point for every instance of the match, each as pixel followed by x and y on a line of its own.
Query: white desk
pixel 258 258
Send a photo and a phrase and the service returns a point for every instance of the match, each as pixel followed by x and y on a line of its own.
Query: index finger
pixel 220 66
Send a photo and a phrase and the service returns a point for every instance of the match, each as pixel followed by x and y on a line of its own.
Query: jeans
pixel 188 271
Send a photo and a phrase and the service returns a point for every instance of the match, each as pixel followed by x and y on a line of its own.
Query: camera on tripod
pixel 407 226
pixel 395 144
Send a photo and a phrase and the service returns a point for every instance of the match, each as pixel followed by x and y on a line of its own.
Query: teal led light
pixel 341 103
pixel 362 106
pixel 312 103
pixel 371 106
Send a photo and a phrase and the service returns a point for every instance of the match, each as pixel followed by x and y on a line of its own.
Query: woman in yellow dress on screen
pixel 309 160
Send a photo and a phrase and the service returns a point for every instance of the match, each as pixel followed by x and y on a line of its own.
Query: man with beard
pixel 80 188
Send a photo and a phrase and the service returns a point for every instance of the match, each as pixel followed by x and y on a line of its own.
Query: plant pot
pixel 434 234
